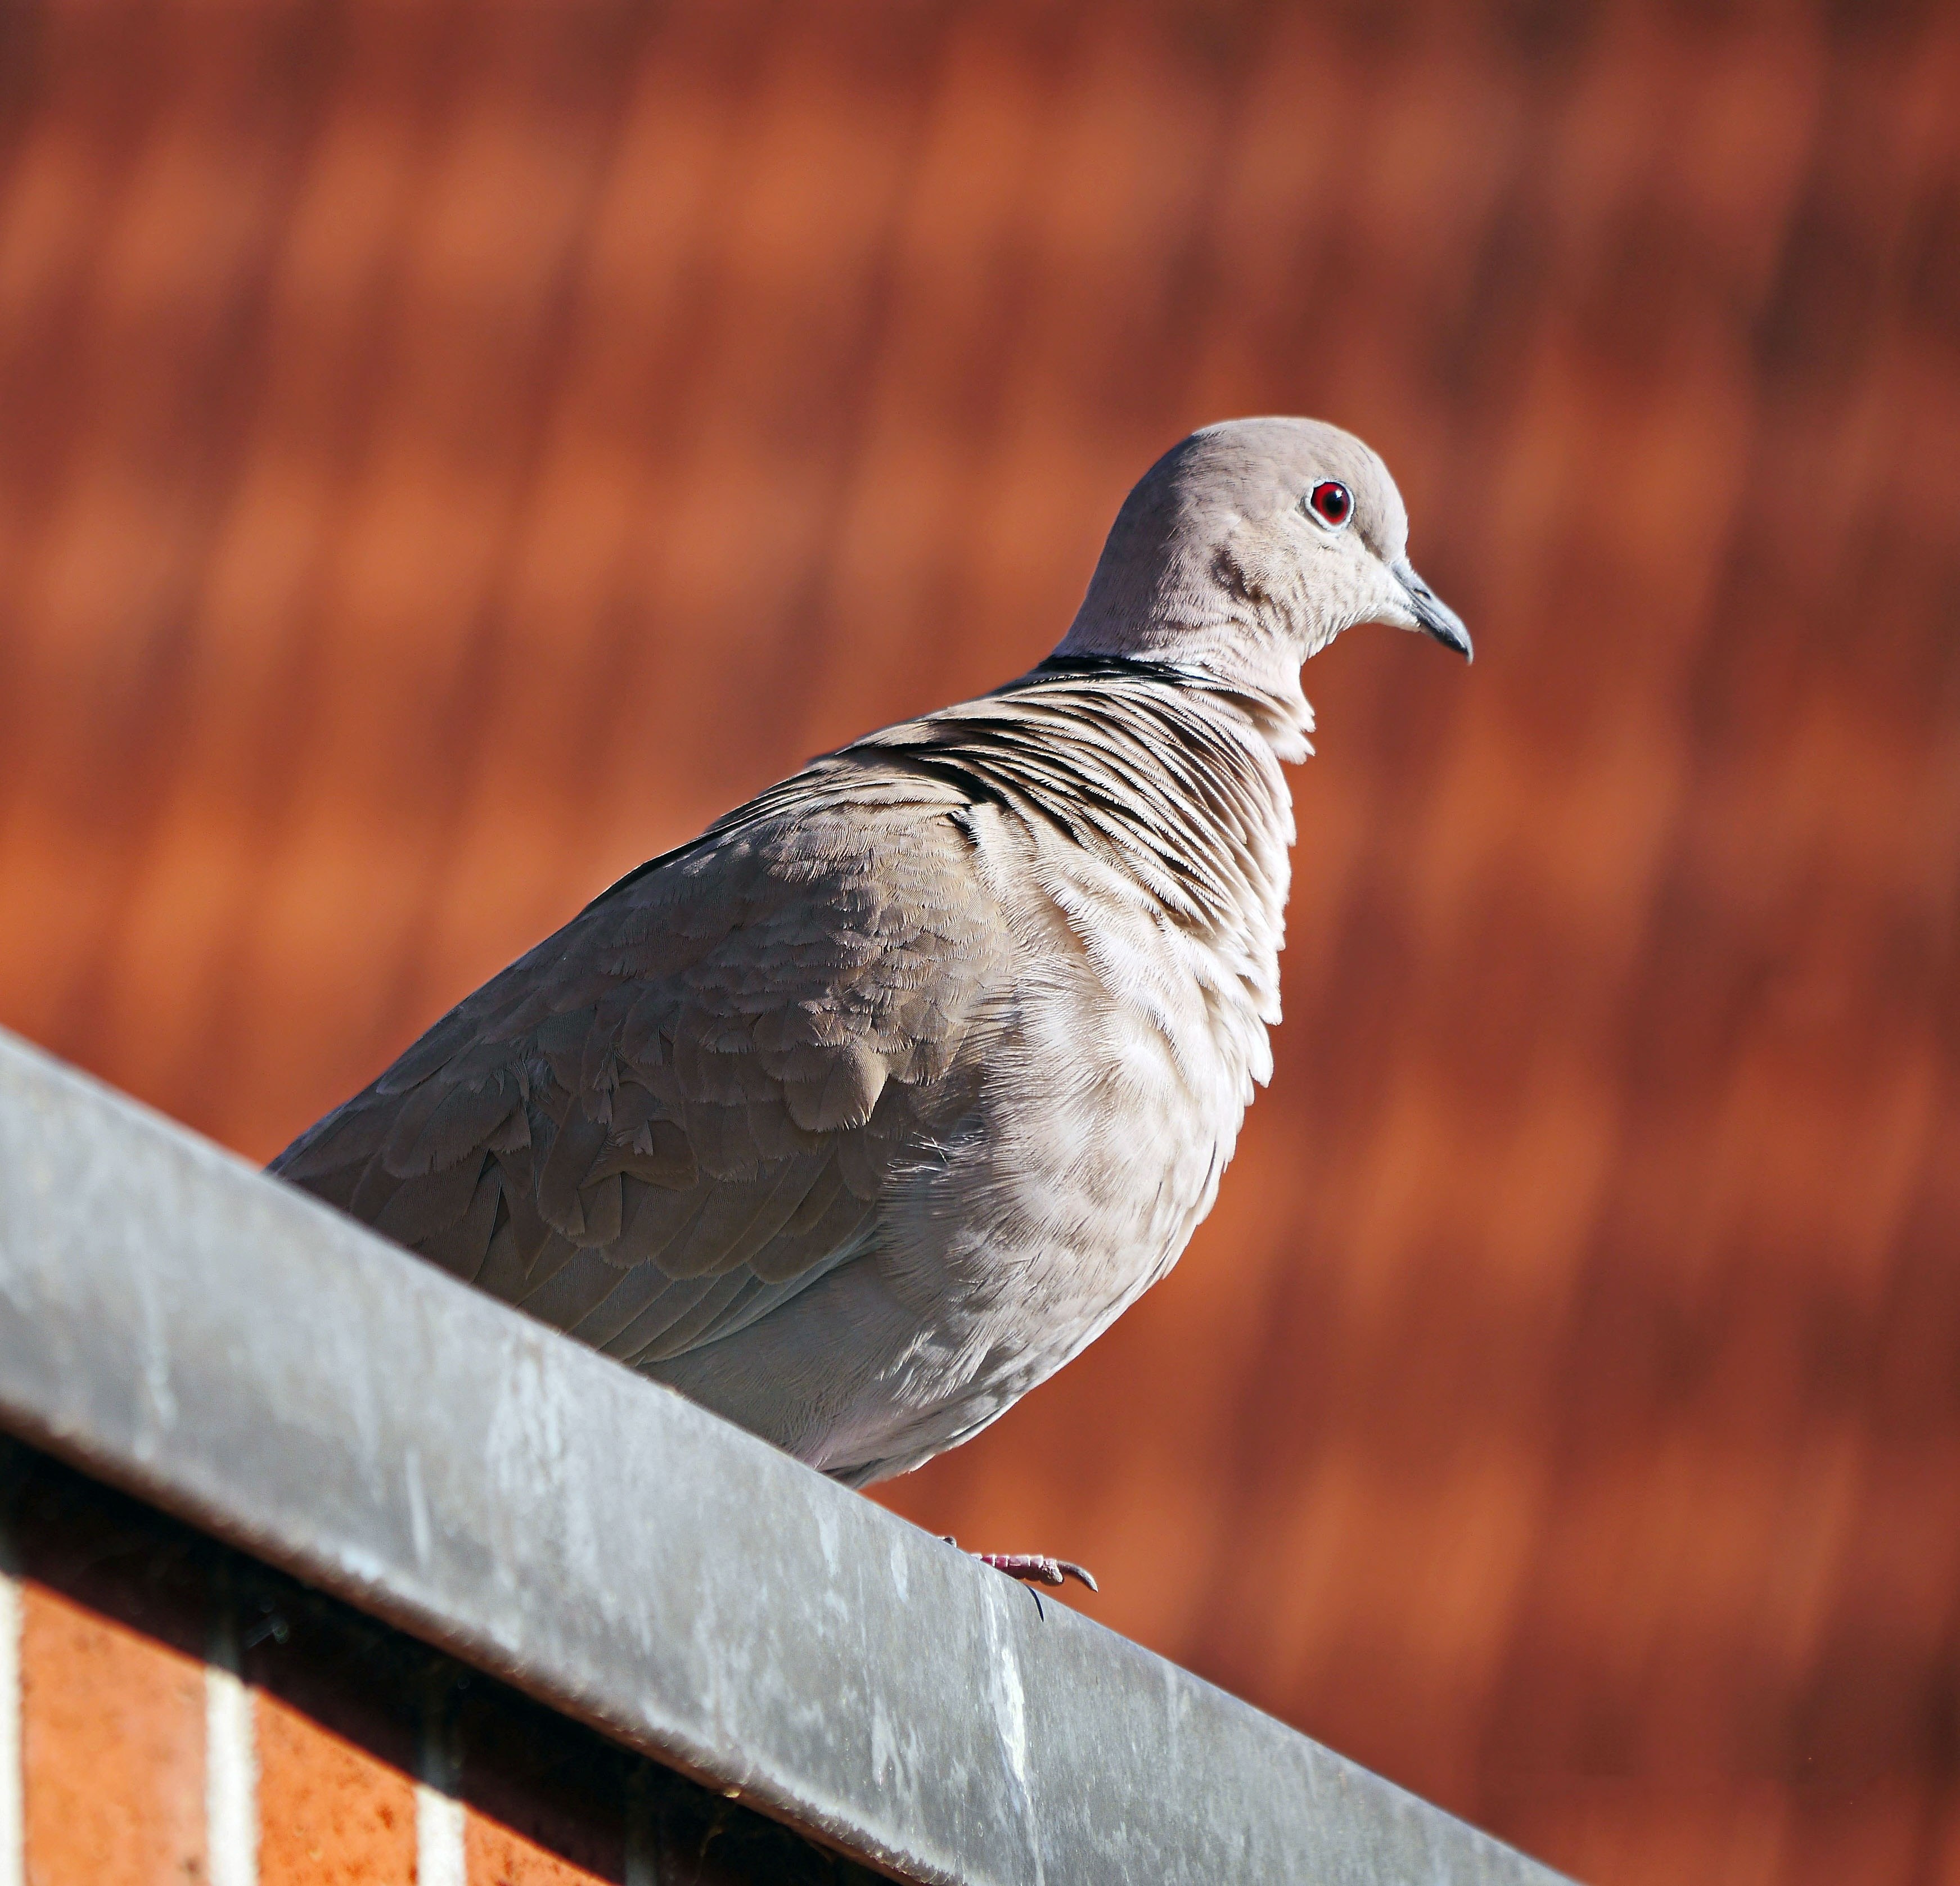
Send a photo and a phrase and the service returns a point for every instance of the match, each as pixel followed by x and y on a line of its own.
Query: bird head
pixel 1247 548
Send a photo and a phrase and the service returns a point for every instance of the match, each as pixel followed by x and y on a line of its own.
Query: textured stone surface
pixel 112 1748
pixel 330 1812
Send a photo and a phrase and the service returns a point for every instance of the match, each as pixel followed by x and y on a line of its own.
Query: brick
pixel 112 1750
pixel 330 1812
pixel 494 1855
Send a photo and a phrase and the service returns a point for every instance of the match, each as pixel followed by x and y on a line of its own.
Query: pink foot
pixel 1034 1568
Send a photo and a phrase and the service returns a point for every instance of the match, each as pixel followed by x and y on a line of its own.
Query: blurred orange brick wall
pixel 451 453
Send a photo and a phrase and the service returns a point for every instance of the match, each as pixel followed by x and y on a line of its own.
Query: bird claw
pixel 1034 1568
pixel 1037 1568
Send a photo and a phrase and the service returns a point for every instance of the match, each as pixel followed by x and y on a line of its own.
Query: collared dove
pixel 861 1114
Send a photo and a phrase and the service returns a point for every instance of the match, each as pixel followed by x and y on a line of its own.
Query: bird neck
pixel 1274 708
pixel 1168 777
pixel 1251 661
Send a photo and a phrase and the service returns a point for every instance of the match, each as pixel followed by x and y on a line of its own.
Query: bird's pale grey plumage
pixel 859 1115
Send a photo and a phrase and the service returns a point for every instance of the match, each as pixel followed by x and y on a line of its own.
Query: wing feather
pixel 684 1107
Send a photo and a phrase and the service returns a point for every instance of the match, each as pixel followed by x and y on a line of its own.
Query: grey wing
pixel 683 1108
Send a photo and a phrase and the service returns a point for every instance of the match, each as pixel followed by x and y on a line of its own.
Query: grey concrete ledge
pixel 174 1323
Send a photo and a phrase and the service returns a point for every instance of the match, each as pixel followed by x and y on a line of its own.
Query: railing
pixel 275 1380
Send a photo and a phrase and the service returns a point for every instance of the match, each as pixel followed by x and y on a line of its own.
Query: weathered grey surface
pixel 247 1359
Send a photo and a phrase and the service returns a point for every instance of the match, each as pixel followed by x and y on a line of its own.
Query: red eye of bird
pixel 1330 502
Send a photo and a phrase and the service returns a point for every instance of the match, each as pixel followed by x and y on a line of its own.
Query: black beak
pixel 1435 615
